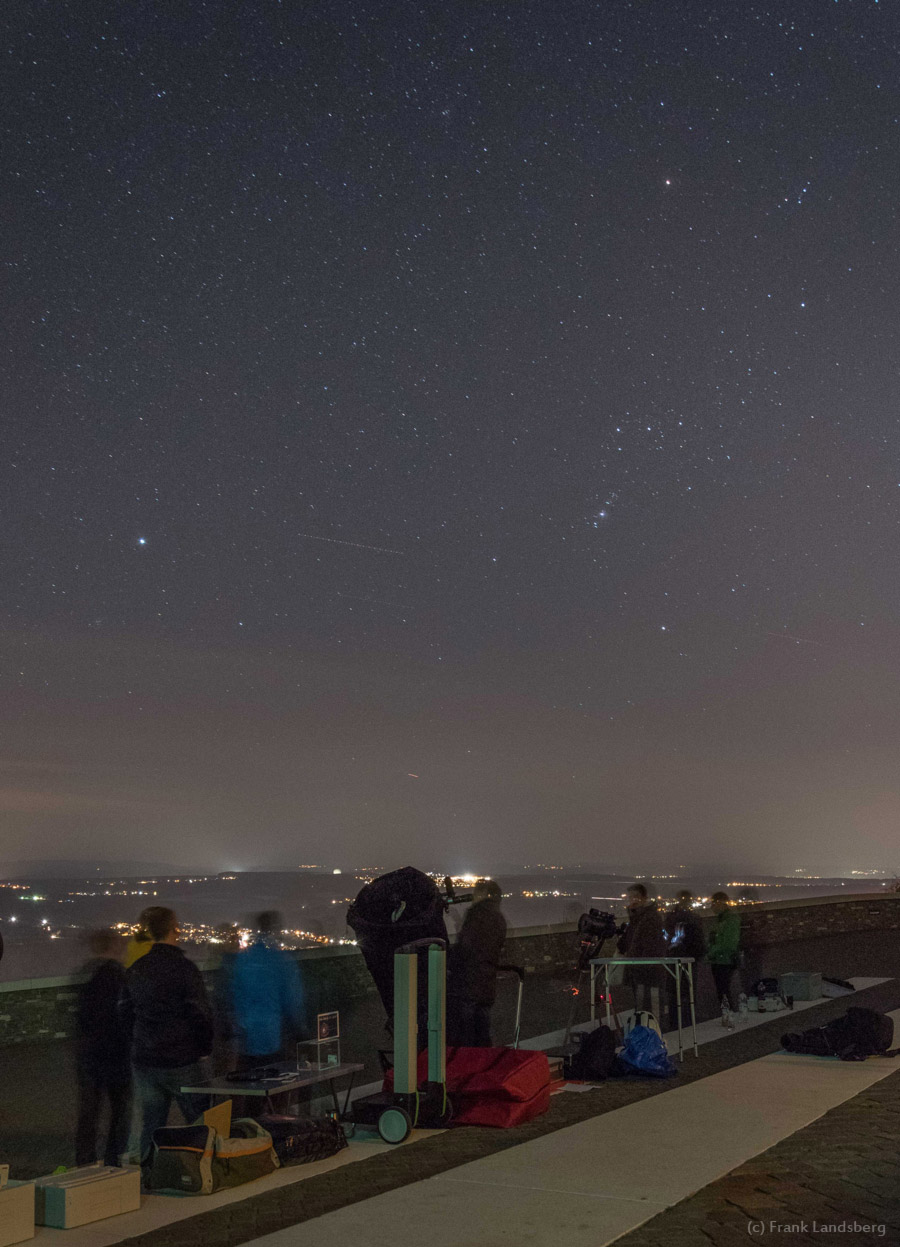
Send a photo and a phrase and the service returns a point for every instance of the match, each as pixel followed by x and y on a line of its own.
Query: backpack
pixel 298 1140
pixel 641 1017
pixel 595 1056
pixel 860 1033
pixel 645 1053
pixel 866 1030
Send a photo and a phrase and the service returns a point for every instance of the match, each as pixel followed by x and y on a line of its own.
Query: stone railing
pixel 42 1009
pixel 783 922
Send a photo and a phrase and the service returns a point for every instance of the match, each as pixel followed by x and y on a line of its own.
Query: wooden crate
pixel 87 1194
pixel 16 1213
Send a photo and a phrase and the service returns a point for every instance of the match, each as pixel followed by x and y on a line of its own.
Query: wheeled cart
pixel 395 1113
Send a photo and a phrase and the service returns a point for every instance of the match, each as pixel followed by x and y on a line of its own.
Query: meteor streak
pixel 358 545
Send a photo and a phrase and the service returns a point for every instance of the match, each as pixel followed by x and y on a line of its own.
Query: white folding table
pixel 677 968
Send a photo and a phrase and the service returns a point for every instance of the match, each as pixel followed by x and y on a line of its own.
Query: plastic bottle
pixel 743 1008
pixel 727 1019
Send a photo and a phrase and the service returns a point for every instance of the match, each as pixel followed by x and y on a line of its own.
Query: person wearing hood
pixel 643 937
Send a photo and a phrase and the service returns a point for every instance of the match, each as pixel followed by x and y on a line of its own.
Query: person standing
pixel 166 1011
pixel 684 937
pixel 225 1044
pixel 102 1058
pixel 474 964
pixel 723 952
pixel 265 996
pixel 643 937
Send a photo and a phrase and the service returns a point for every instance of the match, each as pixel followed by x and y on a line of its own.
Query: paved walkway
pixel 837 1181
pixel 587 1185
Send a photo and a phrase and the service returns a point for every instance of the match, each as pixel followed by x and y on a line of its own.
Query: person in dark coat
pixel 643 937
pixel 684 936
pixel 166 1011
pixel 474 963
pixel 103 1061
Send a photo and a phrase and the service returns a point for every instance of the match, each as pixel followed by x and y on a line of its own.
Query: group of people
pixel 146 1028
pixel 678 933
pixel 146 1024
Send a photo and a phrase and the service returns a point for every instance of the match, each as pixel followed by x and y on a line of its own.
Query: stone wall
pixel 784 922
pixel 37 1010
pixel 43 1009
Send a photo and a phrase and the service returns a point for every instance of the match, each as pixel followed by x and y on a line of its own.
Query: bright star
pixel 142 541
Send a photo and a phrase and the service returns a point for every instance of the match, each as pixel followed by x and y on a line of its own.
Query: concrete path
pixel 591 1183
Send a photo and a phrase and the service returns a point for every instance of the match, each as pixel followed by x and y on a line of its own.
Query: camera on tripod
pixel 594 928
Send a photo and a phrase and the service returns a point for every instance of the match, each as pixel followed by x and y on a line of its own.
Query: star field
pixel 513 383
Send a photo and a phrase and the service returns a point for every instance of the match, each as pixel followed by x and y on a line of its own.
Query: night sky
pixel 454 433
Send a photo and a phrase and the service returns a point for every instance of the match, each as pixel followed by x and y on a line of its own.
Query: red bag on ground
pixel 492 1086
pixel 493 1110
pixel 508 1073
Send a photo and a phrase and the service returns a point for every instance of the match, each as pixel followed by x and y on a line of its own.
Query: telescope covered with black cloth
pixel 391 911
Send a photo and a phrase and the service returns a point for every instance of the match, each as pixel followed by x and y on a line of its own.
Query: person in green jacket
pixel 723 949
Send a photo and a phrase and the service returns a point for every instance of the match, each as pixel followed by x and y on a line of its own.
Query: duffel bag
pixel 812 1042
pixel 860 1033
pixel 493 1110
pixel 507 1073
pixel 197 1160
pixel 182 1160
pixel 248 1154
pixel 299 1140
pixel 870 1032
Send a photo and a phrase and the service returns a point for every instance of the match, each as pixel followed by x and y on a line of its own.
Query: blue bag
pixel 645 1053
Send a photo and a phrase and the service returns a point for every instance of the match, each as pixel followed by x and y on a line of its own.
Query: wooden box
pixel 87 1194
pixel 16 1213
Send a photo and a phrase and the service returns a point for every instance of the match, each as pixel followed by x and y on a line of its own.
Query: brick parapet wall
pixel 43 1009
pixel 37 1010
pixel 786 922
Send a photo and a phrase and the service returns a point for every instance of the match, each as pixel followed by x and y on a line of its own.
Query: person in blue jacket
pixel 265 994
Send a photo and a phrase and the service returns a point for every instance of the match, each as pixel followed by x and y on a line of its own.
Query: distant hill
pixel 86 869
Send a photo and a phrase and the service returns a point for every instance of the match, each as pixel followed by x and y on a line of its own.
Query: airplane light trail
pixel 358 545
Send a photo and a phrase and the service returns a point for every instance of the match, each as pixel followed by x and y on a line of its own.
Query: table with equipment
pixel 678 968
pixel 288 1079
